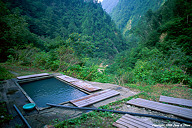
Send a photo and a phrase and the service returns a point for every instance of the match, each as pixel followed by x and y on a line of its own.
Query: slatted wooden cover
pixel 128 121
pixel 79 83
pixel 86 86
pixel 32 76
pixel 67 78
pixel 93 98
pixel 177 101
pixel 175 110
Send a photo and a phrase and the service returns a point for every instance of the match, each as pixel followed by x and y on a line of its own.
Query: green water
pixel 51 90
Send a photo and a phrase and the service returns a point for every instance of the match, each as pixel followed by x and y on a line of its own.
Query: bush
pixel 154 72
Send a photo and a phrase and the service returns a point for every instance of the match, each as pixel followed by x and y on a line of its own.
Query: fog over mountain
pixel 108 5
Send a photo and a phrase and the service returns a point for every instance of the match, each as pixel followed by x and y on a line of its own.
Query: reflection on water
pixel 51 90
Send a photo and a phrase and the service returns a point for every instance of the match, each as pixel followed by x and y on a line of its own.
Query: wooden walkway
pixel 175 110
pixel 128 121
pixel 177 101
pixel 79 83
pixel 93 98
pixel 32 76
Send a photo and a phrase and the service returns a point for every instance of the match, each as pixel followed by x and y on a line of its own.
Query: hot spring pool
pixel 51 90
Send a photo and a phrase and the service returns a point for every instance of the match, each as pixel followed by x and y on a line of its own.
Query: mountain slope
pixel 164 50
pixel 51 19
pixel 128 12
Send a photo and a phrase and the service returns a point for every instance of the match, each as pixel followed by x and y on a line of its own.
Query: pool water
pixel 51 90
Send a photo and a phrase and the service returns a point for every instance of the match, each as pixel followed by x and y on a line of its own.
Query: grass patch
pixel 19 70
pixel 153 92
pixel 92 119
pixel 4 74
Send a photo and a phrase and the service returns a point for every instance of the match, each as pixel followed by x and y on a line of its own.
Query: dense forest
pixel 75 36
pixel 161 51
pixel 48 24
pixel 127 13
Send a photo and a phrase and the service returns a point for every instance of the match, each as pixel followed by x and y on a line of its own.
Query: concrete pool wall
pixel 37 79
pixel 51 90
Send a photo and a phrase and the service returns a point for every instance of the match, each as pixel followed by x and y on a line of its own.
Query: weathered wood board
pixel 166 108
pixel 79 83
pixel 93 98
pixel 32 76
pixel 128 121
pixel 86 86
pixel 177 101
pixel 67 78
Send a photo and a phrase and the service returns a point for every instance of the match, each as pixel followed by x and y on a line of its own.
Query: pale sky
pixel 100 0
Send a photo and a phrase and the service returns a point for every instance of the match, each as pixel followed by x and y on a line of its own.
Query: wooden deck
pixel 32 76
pixel 177 101
pixel 128 121
pixel 79 83
pixel 93 98
pixel 171 109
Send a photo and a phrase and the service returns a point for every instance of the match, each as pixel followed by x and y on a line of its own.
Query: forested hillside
pixel 127 13
pixel 48 24
pixel 162 52
pixel 108 5
pixel 74 37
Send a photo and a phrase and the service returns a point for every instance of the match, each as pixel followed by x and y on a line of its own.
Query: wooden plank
pixel 177 101
pixel 32 76
pixel 67 78
pixel 132 123
pixel 86 86
pixel 163 107
pixel 118 125
pixel 127 125
pixel 137 121
pixel 128 121
pixel 79 83
pixel 93 98
pixel 96 98
pixel 175 110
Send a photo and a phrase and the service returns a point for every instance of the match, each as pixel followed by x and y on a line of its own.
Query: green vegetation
pixel 48 24
pixel 127 13
pixel 5 117
pixel 161 47
pixel 157 50
pixel 92 119
pixel 75 37
pixel 5 74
